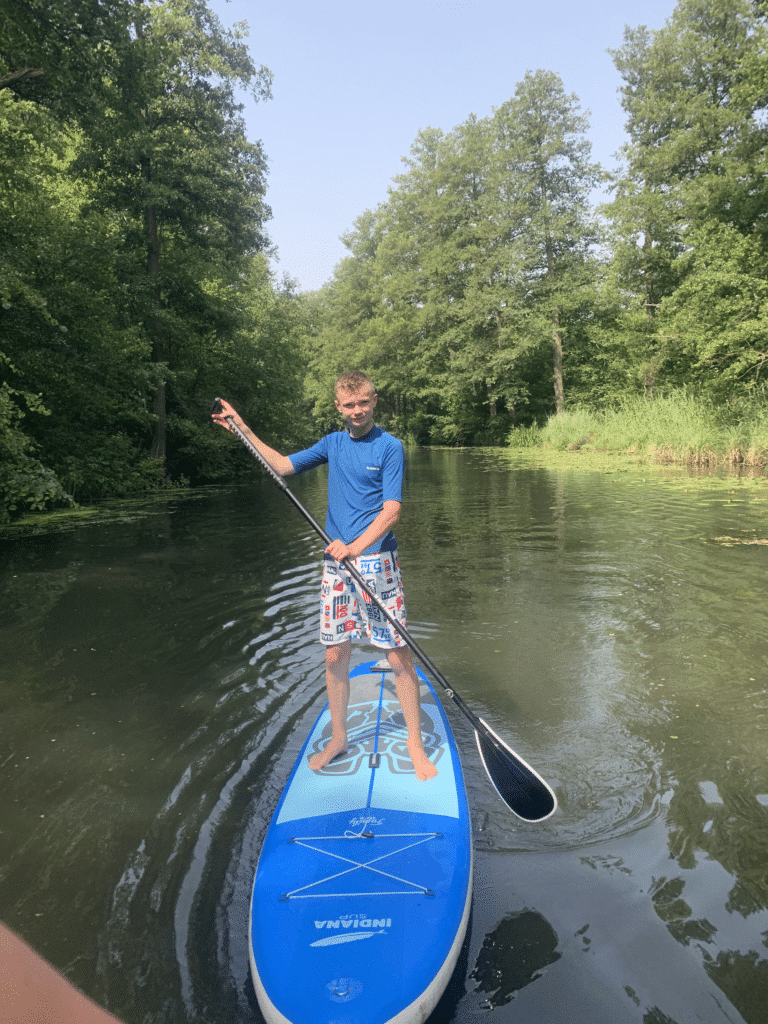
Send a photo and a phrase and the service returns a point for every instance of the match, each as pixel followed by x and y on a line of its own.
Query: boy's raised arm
pixel 280 463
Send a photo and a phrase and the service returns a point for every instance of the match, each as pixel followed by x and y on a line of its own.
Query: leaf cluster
pixel 457 286
pixel 129 113
pixel 486 293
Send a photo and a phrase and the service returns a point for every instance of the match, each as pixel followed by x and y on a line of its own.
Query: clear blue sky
pixel 355 82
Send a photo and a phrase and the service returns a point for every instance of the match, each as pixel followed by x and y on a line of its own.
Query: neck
pixel 360 431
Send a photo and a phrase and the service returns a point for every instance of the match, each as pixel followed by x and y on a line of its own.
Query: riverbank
pixel 677 430
pixel 583 458
pixel 688 437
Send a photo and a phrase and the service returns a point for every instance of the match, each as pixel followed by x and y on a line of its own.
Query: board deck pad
pixel 363 887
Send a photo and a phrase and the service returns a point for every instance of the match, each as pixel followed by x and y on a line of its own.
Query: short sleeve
pixel 309 458
pixel 393 468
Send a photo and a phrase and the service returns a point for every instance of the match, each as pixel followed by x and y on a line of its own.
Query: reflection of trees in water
pixel 743 977
pixel 666 894
pixel 726 822
pixel 513 955
pixel 655 1016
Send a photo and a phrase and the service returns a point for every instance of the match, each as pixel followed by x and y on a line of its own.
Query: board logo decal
pixel 361 822
pixel 337 940
pixel 353 929
pixel 392 745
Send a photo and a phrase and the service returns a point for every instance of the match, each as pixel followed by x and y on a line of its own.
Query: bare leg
pixel 337 685
pixel 407 684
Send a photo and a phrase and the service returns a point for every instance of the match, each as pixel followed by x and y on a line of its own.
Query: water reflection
pixel 158 677
pixel 512 956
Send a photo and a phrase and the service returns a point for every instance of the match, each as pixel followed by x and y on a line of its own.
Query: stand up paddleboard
pixel 364 883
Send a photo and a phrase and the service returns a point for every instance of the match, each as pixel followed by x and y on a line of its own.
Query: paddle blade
pixel 521 788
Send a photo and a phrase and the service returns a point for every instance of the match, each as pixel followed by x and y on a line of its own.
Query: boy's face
pixel 357 409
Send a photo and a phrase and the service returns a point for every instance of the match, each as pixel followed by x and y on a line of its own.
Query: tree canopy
pixel 485 292
pixel 133 253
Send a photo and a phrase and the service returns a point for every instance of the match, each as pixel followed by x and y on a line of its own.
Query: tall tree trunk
pixel 649 377
pixel 491 401
pixel 557 362
pixel 650 299
pixel 557 337
pixel 159 352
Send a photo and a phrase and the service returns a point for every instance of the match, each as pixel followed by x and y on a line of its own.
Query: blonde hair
pixel 353 381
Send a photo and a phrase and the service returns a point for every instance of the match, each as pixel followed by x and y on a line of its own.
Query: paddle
pixel 520 787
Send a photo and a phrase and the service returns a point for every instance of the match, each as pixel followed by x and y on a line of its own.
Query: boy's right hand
pixel 224 412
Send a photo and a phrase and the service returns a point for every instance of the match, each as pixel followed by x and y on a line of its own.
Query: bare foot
pixel 421 764
pixel 327 754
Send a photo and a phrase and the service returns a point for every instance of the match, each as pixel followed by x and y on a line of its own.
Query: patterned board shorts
pixel 345 612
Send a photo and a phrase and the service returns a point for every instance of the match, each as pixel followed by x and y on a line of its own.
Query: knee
pixel 338 654
pixel 400 660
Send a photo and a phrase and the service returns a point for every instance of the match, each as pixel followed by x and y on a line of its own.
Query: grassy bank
pixel 680 428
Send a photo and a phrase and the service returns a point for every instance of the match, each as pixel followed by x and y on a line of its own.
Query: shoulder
pixel 388 440
pixel 335 440
pixel 391 453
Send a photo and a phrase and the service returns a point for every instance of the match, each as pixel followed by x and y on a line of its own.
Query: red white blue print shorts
pixel 346 613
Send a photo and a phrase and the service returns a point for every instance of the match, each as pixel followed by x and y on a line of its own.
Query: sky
pixel 355 82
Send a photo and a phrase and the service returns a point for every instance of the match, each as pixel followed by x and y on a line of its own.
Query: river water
pixel 160 672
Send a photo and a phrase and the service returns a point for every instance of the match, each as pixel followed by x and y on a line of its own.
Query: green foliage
pixel 680 427
pixel 524 437
pixel 481 296
pixel 480 266
pixel 256 358
pixel 718 316
pixel 62 306
pixel 58 55
pixel 25 484
pixel 689 213
pixel 169 154
pixel 128 115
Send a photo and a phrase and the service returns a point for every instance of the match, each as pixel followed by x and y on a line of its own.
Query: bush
pixel 678 427
pixel 27 486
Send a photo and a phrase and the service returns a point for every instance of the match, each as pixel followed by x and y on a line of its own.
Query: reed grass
pixel 677 428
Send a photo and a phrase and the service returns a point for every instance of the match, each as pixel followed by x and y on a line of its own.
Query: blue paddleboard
pixel 363 887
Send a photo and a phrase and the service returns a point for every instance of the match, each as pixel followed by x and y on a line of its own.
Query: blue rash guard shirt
pixel 363 473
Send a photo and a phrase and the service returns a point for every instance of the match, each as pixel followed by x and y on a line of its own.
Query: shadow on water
pixel 159 675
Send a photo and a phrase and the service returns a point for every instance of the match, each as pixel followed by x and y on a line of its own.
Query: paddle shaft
pixel 357 577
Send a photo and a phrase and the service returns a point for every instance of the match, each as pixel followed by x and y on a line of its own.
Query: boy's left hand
pixel 339 550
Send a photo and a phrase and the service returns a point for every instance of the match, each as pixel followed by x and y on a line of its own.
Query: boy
pixel 364 496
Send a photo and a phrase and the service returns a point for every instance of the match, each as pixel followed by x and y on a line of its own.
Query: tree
pixel 68 356
pixel 170 149
pixel 431 255
pixel 718 315
pixel 545 177
pixel 55 55
pixel 25 483
pixel 131 247
pixel 344 321
pixel 695 95
pixel 482 251
pixel 255 354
